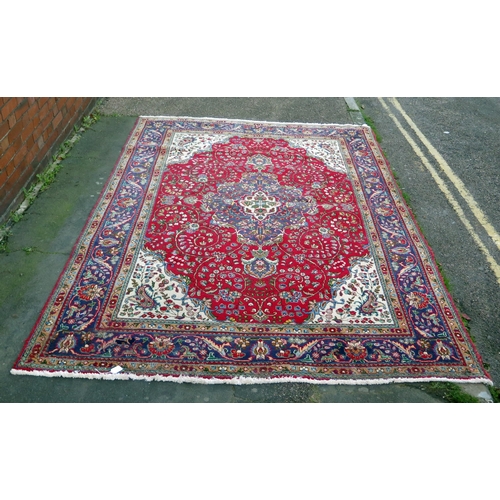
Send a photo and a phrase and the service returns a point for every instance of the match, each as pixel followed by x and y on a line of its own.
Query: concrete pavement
pixel 41 243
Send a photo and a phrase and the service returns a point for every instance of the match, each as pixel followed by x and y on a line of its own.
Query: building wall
pixel 31 131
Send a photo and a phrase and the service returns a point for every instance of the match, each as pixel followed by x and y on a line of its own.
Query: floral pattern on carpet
pixel 226 251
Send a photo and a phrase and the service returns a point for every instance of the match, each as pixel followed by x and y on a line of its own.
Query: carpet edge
pixel 241 380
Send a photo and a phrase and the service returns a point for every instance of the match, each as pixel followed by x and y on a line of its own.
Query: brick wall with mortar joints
pixel 31 131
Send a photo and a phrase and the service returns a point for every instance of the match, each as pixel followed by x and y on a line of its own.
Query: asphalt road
pixel 446 155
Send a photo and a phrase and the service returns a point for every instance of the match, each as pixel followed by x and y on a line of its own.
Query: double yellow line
pixel 459 185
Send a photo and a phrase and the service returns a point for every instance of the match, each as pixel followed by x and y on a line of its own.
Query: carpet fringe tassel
pixel 253 121
pixel 240 380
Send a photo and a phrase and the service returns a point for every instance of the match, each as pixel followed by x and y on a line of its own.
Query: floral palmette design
pixel 244 225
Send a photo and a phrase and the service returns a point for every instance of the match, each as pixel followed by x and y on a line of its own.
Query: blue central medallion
pixel 259 208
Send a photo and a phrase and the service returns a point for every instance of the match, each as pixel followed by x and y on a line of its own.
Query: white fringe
pixel 242 380
pixel 238 120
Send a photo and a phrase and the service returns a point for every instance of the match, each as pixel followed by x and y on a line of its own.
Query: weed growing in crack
pixel 369 121
pixel 45 178
pixel 450 392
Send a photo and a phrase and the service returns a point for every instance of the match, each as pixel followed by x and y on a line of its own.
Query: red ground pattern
pixel 258 227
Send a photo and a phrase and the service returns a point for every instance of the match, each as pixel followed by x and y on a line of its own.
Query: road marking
pixel 471 202
pixel 449 196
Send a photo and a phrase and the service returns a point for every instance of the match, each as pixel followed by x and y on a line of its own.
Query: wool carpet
pixel 231 251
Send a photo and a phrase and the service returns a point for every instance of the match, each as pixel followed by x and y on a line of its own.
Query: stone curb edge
pixel 354 111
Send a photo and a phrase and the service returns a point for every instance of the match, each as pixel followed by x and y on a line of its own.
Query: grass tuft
pixel 369 121
pixel 406 197
pixel 446 281
pixel 45 178
pixel 495 394
pixel 450 392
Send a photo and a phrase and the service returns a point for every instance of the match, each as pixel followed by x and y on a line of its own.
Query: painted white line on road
pixel 495 267
pixel 466 195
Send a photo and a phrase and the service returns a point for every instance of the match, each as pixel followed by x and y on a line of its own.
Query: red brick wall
pixel 31 130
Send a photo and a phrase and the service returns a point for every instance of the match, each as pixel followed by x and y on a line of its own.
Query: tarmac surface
pixel 42 241
pixel 465 133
